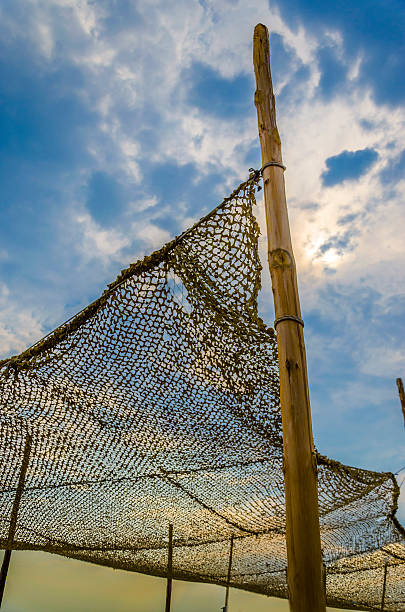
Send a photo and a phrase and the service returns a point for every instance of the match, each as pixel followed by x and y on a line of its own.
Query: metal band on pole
pixel 14 515
pixel 228 579
pixel 169 570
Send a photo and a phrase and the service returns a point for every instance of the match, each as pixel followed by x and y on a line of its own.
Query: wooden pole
pixel 228 579
pixel 3 572
pixel 169 570
pixel 305 584
pixel 401 392
pixel 384 585
pixel 14 516
pixel 324 579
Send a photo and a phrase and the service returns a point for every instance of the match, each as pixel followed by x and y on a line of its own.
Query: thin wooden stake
pixel 305 584
pixel 325 578
pixel 3 572
pixel 169 570
pixel 384 585
pixel 401 392
pixel 14 516
pixel 228 579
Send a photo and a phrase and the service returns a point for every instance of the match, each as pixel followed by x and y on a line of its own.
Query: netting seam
pixel 176 484
pixel 140 477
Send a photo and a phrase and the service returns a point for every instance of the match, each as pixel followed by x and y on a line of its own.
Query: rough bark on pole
pixel 169 570
pixel 305 582
pixel 14 515
pixel 401 392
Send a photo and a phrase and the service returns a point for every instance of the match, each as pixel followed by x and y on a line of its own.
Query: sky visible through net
pixel 158 404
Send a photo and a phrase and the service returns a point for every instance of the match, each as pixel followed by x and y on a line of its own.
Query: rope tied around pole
pixel 288 318
pixel 267 165
pixel 272 163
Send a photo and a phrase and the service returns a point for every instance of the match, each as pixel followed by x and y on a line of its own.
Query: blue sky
pixel 121 123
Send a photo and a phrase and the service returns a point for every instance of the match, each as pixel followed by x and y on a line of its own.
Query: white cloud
pixel 382 360
pixel 45 39
pixel 153 236
pixel 99 242
pixel 19 326
pixel 140 204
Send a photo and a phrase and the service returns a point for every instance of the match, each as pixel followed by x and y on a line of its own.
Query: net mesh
pixel 158 404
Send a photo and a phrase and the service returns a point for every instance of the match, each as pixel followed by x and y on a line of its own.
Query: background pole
pixel 3 572
pixel 384 585
pixel 14 515
pixel 228 579
pixel 169 570
pixel 305 581
pixel 401 392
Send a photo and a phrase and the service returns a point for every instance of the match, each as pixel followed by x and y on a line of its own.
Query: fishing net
pixel 158 404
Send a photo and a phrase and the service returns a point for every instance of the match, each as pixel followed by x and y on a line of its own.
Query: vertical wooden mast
pixel 305 582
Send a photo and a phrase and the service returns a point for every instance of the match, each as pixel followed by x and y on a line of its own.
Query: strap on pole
pixel 169 570
pixel 384 584
pixel 14 515
pixel 228 579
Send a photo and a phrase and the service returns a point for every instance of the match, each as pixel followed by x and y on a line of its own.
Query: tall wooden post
pixel 14 515
pixel 401 392
pixel 305 583
pixel 169 570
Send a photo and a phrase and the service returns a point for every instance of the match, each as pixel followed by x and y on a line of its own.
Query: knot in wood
pixel 280 258
pixel 276 136
pixel 259 97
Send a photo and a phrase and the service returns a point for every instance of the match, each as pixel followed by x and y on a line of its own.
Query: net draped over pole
pixel 159 404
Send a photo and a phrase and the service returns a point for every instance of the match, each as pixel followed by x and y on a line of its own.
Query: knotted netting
pixel 158 404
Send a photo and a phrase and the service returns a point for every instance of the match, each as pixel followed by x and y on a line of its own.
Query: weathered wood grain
pixel 305 581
